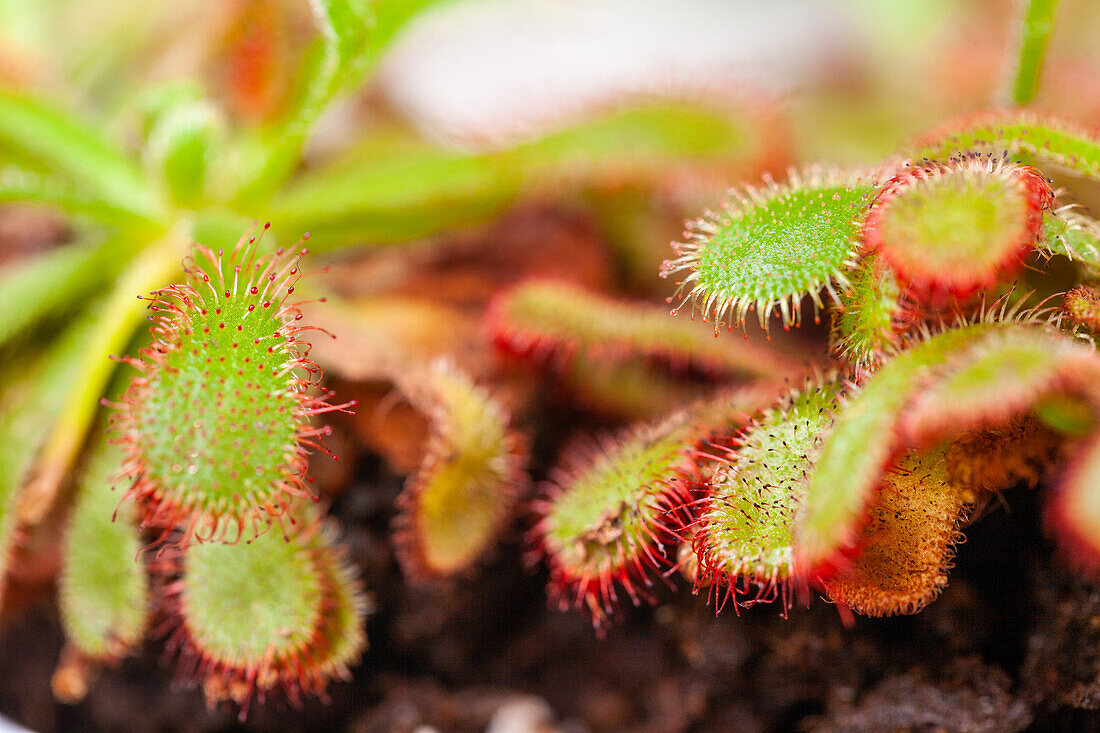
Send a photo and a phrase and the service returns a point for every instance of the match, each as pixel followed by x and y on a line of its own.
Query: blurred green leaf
pixel 395 187
pixel 23 186
pixel 395 191
pixel 103 590
pixel 642 138
pixel 78 153
pixel 32 401
pixel 52 281
pixel 1036 27
pixel 183 142
pixel 332 63
pixel 115 322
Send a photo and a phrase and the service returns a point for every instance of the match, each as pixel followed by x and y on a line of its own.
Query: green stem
pixel 1038 23
pixel 117 321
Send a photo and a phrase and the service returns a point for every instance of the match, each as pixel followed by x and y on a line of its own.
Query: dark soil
pixel 1011 645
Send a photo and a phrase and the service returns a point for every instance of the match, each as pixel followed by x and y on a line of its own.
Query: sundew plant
pixel 165 409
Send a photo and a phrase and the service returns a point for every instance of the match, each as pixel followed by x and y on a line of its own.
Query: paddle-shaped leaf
pixel 743 538
pixel 906 547
pixel 274 614
pixel 614 510
pixel 103 590
pixel 769 246
pixel 217 425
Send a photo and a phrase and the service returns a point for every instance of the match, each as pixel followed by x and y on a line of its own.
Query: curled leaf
pixel 997 378
pixel 469 480
pixel 975 377
pixel 857 451
pixel 612 515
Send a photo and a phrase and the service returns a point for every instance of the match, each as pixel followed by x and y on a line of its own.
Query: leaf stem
pixel 117 321
pixel 1037 25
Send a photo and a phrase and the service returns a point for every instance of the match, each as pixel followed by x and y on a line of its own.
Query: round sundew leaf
pixel 103 592
pixel 469 480
pixel 746 518
pixel 218 423
pixel 958 226
pixel 252 604
pixel 613 512
pixel 558 321
pixel 870 315
pixel 1047 141
pixel 858 449
pixel 906 546
pixel 770 246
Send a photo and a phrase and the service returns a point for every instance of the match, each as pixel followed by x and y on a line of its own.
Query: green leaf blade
pixel 1045 141
pixel 76 152
pixel 33 290
pixel 469 480
pixel 773 246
